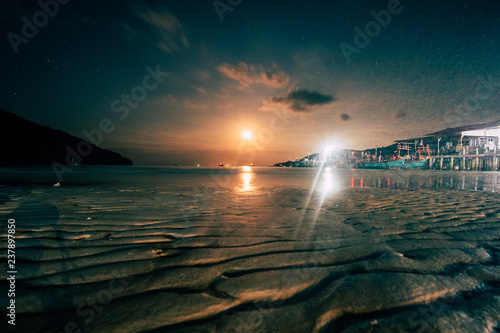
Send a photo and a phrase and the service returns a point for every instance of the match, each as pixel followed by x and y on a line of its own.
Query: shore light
pixel 327 152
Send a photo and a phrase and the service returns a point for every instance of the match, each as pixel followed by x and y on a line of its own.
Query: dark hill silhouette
pixel 23 142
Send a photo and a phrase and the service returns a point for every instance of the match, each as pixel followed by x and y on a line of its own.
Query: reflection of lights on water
pixel 246 181
pixel 328 181
pixel 247 177
pixel 324 174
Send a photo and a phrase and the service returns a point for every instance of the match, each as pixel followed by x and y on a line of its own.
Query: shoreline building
pixel 469 139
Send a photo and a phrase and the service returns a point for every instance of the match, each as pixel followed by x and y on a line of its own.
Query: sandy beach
pixel 270 250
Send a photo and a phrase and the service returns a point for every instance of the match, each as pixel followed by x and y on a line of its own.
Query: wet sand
pixel 326 255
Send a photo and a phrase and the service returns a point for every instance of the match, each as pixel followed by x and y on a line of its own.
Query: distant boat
pixel 415 164
pixel 221 164
pixel 422 155
pixel 395 162
pixel 177 164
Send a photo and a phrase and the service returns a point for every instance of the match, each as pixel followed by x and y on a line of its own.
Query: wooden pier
pixel 469 162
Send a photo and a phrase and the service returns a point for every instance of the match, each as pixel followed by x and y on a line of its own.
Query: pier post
pixel 477 163
pixel 451 164
pixel 463 163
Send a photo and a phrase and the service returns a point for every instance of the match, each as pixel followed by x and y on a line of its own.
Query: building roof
pixel 479 136
pixel 457 130
pixel 452 131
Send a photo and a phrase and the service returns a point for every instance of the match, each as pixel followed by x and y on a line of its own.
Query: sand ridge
pixel 357 259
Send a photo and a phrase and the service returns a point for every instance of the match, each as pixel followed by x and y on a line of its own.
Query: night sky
pixel 180 81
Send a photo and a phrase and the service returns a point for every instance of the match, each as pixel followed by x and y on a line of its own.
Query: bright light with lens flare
pixel 247 135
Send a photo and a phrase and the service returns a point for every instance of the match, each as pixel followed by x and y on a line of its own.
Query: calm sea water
pixel 256 179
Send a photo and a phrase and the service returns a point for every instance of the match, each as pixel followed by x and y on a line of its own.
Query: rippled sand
pixel 138 259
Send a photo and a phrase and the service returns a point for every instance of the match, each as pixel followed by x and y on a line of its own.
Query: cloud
pixel 298 100
pixel 157 26
pixel 200 90
pixel 248 75
pixel 345 117
pixel 401 114
pixel 202 75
